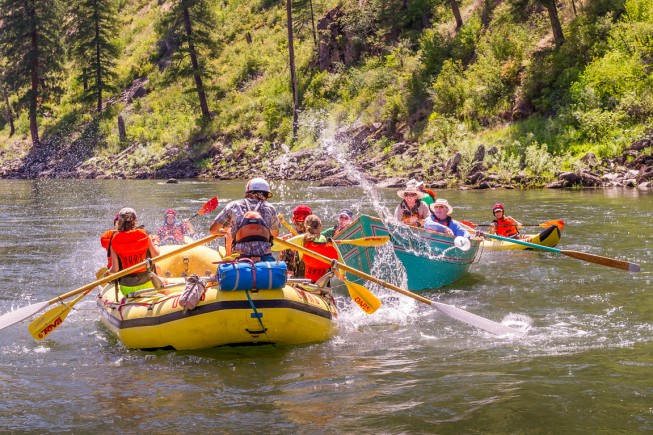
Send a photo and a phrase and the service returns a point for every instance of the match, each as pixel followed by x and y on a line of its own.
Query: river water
pixel 586 365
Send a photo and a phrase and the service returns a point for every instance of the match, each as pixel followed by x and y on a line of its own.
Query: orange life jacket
pixel 409 212
pixel 316 268
pixel 131 247
pixel 505 228
pixel 252 230
pixel 105 239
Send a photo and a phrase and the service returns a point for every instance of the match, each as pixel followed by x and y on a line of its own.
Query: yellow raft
pixel 153 320
pixel 548 237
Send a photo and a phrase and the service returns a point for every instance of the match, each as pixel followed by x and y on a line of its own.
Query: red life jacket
pixel 316 268
pixel 105 239
pixel 131 247
pixel 505 228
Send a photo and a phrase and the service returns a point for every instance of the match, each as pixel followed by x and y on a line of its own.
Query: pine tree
pixel 30 41
pixel 190 23
pixel 93 46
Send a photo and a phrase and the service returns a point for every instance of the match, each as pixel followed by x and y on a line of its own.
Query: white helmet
pixel 258 185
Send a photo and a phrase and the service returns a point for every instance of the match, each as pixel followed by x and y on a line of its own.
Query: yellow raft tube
pixel 153 320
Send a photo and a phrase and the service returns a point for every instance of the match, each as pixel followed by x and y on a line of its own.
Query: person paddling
pixel 313 239
pixel 172 233
pixel 505 226
pixel 296 267
pixel 345 218
pixel 250 237
pixel 131 245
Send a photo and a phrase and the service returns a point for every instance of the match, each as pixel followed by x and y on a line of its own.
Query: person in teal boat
pixel 345 218
pixel 412 210
pixel 440 220
pixel 172 233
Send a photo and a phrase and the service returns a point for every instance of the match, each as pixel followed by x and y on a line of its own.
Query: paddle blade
pixel 476 321
pixel 21 314
pixel 43 325
pixel 363 297
pixel 366 241
pixel 211 205
pixel 559 223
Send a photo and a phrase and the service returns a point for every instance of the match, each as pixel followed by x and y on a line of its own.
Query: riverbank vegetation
pixel 137 85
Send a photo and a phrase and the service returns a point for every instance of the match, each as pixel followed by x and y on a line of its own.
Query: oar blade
pixel 42 326
pixel 604 261
pixel 559 223
pixel 477 321
pixel 21 314
pixel 211 205
pixel 363 297
pixel 371 241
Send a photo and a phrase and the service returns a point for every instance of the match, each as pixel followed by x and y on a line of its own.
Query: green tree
pixel 30 41
pixel 93 46
pixel 190 24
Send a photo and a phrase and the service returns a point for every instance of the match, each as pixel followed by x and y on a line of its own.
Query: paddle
pixel 559 223
pixel 25 312
pixel 287 225
pixel 362 241
pixel 364 298
pixel 208 207
pixel 604 261
pixel 454 312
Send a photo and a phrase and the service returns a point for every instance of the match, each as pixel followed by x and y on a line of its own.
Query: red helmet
pixel 300 212
pixel 497 207
pixel 170 211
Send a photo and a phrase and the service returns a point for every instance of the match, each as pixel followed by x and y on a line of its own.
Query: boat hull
pixel 153 320
pixel 431 260
pixel 549 237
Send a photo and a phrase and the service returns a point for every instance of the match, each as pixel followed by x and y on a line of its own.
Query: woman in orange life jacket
pixel 106 238
pixel 131 245
pixel 412 210
pixel 296 267
pixel 312 239
pixel 172 233
pixel 505 226
pixel 249 237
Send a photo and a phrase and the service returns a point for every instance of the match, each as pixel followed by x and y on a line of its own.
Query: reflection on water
pixel 584 366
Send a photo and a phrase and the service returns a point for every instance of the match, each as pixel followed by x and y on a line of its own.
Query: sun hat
pixel 441 201
pixel 411 187
pixel 346 212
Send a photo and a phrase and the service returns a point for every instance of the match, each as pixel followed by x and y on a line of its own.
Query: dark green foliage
pixel 30 41
pixel 92 46
pixel 189 26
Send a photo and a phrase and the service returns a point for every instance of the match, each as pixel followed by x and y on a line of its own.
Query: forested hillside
pixel 478 92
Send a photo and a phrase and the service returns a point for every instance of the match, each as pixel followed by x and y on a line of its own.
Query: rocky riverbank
pixel 634 168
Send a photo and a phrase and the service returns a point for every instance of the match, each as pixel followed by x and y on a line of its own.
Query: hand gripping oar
pixel 25 312
pixel 451 311
pixel 604 261
pixel 210 205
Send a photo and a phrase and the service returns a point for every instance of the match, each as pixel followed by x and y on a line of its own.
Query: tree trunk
pixel 573 6
pixel 313 24
pixel 558 36
pixel 293 77
pixel 456 14
pixel 201 94
pixel 34 91
pixel 98 70
pixel 122 132
pixel 10 114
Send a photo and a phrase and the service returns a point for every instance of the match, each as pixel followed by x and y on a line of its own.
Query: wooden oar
pixel 604 261
pixel 208 207
pixel 454 312
pixel 559 223
pixel 25 312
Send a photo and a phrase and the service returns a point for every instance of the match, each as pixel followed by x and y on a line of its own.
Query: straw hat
pixel 441 201
pixel 411 187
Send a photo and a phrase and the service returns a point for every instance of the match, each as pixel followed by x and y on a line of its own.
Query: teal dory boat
pixel 431 259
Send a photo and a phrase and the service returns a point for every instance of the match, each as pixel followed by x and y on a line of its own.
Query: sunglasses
pixel 410 194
